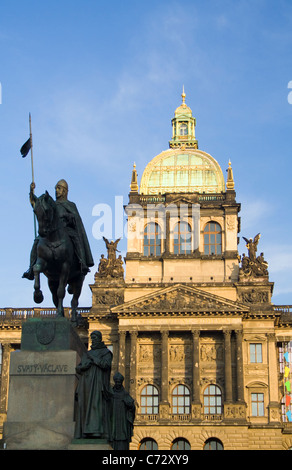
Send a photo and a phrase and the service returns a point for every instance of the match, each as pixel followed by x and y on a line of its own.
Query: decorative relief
pixel 180 299
pixel 234 411
pixel 211 380
pixel 254 297
pixel 45 332
pixel 212 353
pixel 196 411
pixel 109 298
pixel 180 381
pixel 132 226
pixel 231 222
pixel 148 381
pixel 179 353
pixel 149 353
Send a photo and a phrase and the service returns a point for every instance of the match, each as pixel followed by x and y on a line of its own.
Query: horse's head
pixel 45 210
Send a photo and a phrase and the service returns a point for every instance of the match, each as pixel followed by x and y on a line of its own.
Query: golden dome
pixel 183 168
pixel 182 171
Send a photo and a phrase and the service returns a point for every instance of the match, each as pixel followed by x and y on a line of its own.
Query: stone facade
pixel 204 351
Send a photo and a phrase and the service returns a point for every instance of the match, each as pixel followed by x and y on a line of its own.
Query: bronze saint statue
pixel 123 415
pixel 61 251
pixel 94 396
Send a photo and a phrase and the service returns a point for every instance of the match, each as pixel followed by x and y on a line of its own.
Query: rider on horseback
pixel 73 225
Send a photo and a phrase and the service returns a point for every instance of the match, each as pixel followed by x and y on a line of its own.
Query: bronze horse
pixel 56 258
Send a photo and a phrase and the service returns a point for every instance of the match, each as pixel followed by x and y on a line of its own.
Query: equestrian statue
pixel 61 250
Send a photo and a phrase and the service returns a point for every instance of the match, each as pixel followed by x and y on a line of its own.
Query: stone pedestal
pixel 42 385
pixel 89 444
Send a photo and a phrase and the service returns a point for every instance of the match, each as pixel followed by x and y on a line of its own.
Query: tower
pixel 183 223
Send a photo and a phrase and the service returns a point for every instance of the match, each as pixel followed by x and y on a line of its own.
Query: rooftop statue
pixel 252 245
pixel 112 266
pixel 61 250
pixel 252 265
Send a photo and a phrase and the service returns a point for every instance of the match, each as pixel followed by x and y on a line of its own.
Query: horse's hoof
pixel 70 290
pixel 38 296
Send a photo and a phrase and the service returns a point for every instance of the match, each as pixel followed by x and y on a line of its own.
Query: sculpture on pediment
pixel 252 265
pixel 111 266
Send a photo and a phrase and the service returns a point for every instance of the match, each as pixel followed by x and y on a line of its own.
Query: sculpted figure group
pixel 61 251
pixel 103 412
pixel 253 265
pixel 112 266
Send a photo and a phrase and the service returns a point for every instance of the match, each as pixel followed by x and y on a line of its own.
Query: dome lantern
pixel 183 127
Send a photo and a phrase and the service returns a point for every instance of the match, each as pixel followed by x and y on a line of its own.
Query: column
pixel 6 349
pixel 274 405
pixel 164 367
pixel 196 366
pixel 133 363
pixel 239 367
pixel 167 234
pixel 122 352
pixel 228 366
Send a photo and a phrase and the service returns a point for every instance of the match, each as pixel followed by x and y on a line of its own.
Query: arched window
pixel 183 129
pixel 212 239
pixel 180 444
pixel 152 240
pixel 212 400
pixel 181 400
pixel 148 444
pixel 149 400
pixel 213 444
pixel 182 238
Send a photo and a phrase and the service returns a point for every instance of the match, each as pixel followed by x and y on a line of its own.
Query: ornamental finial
pixel 183 95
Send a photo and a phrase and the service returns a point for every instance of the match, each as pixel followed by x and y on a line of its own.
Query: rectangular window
pixel 255 350
pixel 257 404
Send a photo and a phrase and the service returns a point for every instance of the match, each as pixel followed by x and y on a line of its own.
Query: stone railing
pixel 147 417
pixel 283 308
pixel 152 199
pixel 212 197
pixel 213 417
pixel 22 314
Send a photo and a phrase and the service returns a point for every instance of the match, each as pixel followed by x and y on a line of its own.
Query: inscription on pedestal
pixel 52 363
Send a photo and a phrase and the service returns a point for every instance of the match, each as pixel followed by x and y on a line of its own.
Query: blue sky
pixel 102 80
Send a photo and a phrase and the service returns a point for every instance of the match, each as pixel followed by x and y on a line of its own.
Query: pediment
pixel 180 200
pixel 180 299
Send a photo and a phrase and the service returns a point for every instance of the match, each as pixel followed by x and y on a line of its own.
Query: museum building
pixel 205 353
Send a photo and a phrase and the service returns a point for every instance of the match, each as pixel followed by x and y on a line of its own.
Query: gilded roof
pixel 183 168
pixel 182 171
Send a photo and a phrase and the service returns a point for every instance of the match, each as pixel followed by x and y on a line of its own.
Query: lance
pixel 32 169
